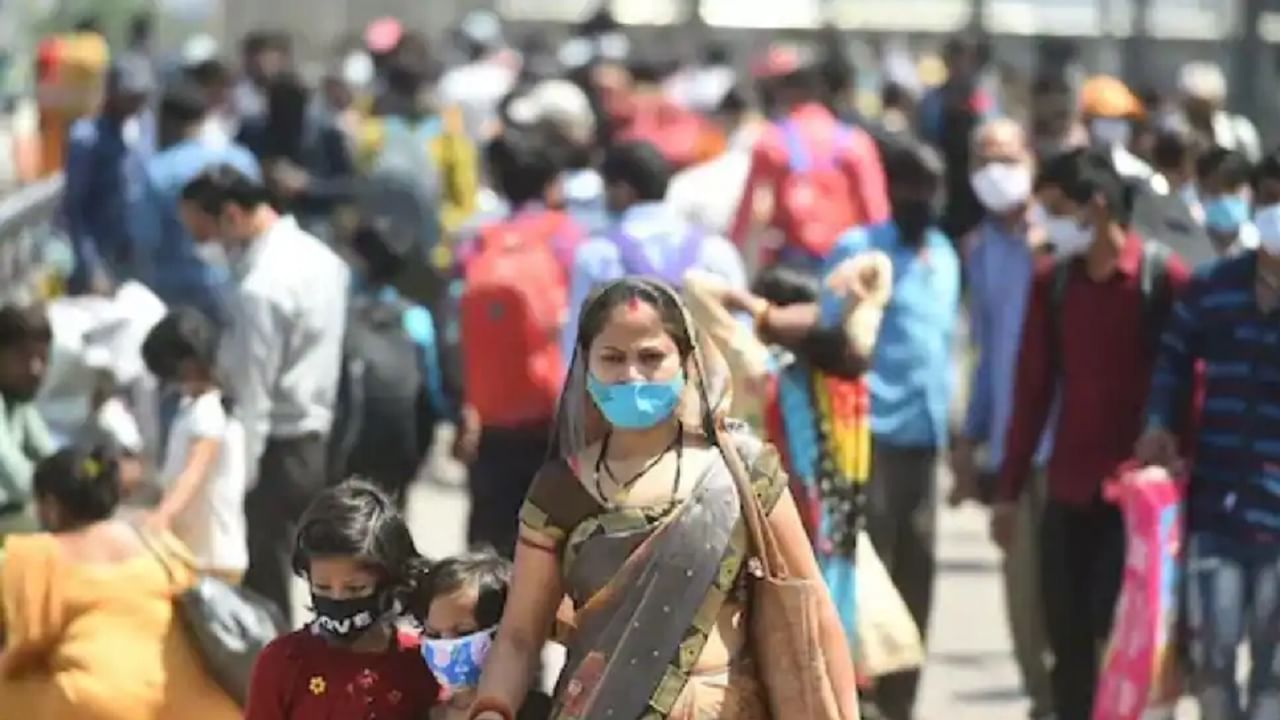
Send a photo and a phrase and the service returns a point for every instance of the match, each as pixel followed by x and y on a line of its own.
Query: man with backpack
pixel 392 392
pixel 419 169
pixel 1089 344
pixel 648 238
pixel 513 303
pixel 822 176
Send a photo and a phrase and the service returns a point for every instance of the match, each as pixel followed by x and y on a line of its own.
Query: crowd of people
pixel 690 326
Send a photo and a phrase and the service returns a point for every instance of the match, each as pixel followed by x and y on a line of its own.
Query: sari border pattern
pixel 767 482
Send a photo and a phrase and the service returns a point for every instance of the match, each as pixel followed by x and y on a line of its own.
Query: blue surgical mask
pixel 457 662
pixel 636 405
pixel 1226 213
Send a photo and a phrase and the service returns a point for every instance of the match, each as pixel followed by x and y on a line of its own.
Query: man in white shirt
pixel 281 357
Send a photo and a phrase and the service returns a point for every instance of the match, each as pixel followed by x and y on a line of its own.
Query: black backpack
pixel 384 421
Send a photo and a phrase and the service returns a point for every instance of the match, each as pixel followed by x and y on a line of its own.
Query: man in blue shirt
pixel 1002 252
pixel 910 384
pixel 1227 320
pixel 165 256
pixel 105 171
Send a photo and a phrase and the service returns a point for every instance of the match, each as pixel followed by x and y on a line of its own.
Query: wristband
pixel 490 704
pixel 760 317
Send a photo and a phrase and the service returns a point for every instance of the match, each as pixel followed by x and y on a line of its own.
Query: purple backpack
pixel 671 267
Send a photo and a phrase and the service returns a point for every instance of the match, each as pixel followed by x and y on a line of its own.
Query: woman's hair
pixel 85 484
pixel 185 334
pixel 782 285
pixel 355 519
pixel 601 304
pixel 485 570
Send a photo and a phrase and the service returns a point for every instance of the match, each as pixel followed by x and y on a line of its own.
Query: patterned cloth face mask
pixel 457 662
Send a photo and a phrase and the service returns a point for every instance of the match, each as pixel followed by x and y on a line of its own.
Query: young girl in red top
pixel 352 661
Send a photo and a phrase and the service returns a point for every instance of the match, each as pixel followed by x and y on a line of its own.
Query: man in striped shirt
pixel 1228 320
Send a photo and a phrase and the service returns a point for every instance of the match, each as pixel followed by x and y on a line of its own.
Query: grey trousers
pixel 291 473
pixel 902 521
pixel 1023 599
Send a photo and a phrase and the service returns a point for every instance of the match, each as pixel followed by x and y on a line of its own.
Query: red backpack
pixel 815 200
pixel 511 311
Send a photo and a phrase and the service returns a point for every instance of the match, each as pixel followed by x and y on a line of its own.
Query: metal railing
pixel 30 238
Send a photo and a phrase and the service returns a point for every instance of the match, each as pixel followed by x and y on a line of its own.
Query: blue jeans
pixel 1233 587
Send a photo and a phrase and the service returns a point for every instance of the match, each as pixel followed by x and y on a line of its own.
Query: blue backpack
pixel 670 268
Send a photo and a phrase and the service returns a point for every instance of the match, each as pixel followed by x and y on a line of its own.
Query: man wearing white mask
pixel 1088 346
pixel 1002 252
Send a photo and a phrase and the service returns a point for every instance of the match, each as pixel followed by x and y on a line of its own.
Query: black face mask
pixel 913 218
pixel 345 620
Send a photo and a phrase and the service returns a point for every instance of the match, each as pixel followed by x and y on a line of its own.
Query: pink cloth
pixel 1140 669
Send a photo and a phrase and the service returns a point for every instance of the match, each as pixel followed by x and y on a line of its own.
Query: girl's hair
pixel 600 305
pixel 85 484
pixel 483 569
pixel 185 334
pixel 355 519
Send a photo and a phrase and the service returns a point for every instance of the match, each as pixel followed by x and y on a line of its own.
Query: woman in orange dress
pixel 87 615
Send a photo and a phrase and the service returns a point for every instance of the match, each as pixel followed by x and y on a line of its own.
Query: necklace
pixel 677 444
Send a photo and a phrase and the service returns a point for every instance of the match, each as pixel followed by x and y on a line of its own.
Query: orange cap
pixel 1107 97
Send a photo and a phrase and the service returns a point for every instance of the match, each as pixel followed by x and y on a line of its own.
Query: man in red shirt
pixel 807 139
pixel 1089 341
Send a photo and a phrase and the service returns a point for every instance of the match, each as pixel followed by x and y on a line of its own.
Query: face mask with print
pixel 1225 213
pixel 1267 221
pixel 1067 235
pixel 456 662
pixel 636 405
pixel 345 620
pixel 1001 187
pixel 1108 132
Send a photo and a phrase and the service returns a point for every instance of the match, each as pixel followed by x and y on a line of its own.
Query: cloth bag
pixel 886 639
pixel 786 616
pixel 1140 675
pixel 228 625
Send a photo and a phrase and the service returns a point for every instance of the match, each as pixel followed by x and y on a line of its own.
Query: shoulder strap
pixel 1057 300
pixel 1153 282
pixel 797 155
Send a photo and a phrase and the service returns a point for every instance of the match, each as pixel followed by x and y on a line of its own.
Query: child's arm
pixel 208 427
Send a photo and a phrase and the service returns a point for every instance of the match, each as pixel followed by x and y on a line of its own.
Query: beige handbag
pixel 786 618
pixel 887 640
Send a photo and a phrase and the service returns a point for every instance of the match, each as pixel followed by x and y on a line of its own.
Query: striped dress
pixel 821 425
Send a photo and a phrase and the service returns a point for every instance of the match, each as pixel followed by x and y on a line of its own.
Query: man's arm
pixel 251 362
pixel 977 421
pixel 1034 387
pixel 870 188
pixel 16 464
pixel 78 201
pixel 1173 379
pixel 763 174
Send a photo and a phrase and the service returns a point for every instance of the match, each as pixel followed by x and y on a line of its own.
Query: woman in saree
pixel 637 519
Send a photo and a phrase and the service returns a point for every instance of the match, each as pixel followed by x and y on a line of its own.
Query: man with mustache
pixel 24 440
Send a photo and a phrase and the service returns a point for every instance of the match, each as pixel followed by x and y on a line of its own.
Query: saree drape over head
pixel 648 583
